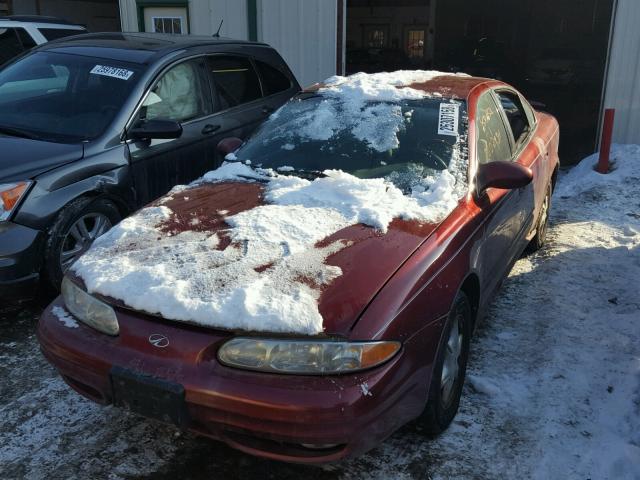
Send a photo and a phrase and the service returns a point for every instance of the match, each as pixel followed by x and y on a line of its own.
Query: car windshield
pixel 63 98
pixel 401 141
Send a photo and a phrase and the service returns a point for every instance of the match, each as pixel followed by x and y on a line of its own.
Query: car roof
pixel 48 21
pixel 445 85
pixel 135 47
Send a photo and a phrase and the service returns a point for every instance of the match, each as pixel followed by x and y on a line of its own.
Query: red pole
pixel 605 143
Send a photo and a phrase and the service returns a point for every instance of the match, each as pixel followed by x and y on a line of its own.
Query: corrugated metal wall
pixel 623 76
pixel 304 32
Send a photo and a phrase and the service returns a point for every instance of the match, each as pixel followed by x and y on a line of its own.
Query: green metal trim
pixel 142 4
pixel 252 19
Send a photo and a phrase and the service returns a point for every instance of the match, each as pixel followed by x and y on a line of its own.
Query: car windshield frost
pixel 396 141
pixel 63 98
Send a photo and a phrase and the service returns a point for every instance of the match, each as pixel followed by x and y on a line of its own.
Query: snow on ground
pixel 553 388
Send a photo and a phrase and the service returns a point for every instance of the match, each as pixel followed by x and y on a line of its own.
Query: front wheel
pixel 449 369
pixel 539 238
pixel 77 226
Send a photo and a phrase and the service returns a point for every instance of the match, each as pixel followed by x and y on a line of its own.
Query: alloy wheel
pixel 80 237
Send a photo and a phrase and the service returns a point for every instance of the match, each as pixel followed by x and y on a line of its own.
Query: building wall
pixel 304 32
pixel 622 90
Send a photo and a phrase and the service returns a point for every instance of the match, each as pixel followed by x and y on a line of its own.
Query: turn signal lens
pixel 10 195
pixel 305 357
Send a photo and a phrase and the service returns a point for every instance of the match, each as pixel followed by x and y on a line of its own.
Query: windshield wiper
pixel 17 132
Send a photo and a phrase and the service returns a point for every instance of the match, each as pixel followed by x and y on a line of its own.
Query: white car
pixel 19 33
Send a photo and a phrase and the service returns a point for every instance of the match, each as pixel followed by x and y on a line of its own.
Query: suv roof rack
pixel 37 19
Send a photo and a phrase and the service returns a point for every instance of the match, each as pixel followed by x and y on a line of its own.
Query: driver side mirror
pixel 507 175
pixel 228 145
pixel 149 129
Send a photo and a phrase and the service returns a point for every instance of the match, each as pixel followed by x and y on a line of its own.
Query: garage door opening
pixel 553 51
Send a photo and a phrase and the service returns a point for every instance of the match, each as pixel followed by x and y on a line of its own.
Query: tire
pixel 539 238
pixel 444 396
pixel 67 238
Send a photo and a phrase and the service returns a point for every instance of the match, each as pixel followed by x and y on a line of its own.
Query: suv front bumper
pixel 20 261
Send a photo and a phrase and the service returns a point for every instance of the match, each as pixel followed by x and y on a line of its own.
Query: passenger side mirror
pixel 228 145
pixel 508 175
pixel 149 129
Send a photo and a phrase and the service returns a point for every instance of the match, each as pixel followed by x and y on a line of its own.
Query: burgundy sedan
pixel 319 290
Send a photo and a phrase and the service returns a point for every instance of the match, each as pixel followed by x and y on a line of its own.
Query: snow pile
pixel 367 105
pixel 624 164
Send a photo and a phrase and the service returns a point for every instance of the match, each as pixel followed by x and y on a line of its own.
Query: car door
pixel 526 152
pixel 502 207
pixel 180 94
pixel 238 94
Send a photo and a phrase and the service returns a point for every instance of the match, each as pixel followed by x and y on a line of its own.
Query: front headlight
pixel 10 195
pixel 88 309
pixel 305 357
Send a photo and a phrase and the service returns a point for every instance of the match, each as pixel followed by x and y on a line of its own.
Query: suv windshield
pixel 383 140
pixel 63 98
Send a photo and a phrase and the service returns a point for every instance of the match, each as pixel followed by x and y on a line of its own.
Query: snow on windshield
pixel 270 275
pixel 364 104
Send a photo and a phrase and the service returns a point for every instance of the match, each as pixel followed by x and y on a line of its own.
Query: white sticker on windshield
pixel 448 119
pixel 114 72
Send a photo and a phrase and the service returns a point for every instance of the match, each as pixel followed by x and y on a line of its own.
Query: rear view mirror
pixel 507 175
pixel 229 145
pixel 149 129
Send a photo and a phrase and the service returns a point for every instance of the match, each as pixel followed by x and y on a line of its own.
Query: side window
pixel 56 33
pixel 273 80
pixel 10 45
pixel 235 80
pixel 516 115
pixel 493 140
pixel 179 95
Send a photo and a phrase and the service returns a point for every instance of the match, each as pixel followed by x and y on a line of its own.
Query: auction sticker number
pixel 114 72
pixel 448 119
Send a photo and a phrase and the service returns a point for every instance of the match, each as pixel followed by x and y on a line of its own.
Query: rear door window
pixel 516 116
pixel 273 80
pixel 493 139
pixel 234 79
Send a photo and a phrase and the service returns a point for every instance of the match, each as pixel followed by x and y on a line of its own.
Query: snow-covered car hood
pixel 230 255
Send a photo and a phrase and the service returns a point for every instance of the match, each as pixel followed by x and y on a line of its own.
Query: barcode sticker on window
pixel 114 72
pixel 448 119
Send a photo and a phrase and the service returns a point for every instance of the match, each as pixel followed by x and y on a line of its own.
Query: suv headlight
pixel 305 357
pixel 10 195
pixel 89 309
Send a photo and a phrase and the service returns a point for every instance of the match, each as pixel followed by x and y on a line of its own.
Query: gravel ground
pixel 552 389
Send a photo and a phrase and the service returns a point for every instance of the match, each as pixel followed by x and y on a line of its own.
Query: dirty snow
pixel 65 317
pixel 553 390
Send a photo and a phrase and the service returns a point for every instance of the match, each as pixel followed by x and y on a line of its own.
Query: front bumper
pixel 20 260
pixel 303 419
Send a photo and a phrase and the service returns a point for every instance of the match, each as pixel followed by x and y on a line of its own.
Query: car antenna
pixel 217 34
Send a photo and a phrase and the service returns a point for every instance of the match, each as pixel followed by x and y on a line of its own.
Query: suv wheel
pixel 77 226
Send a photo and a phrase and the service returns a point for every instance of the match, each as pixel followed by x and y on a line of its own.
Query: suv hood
pixel 174 258
pixel 23 158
